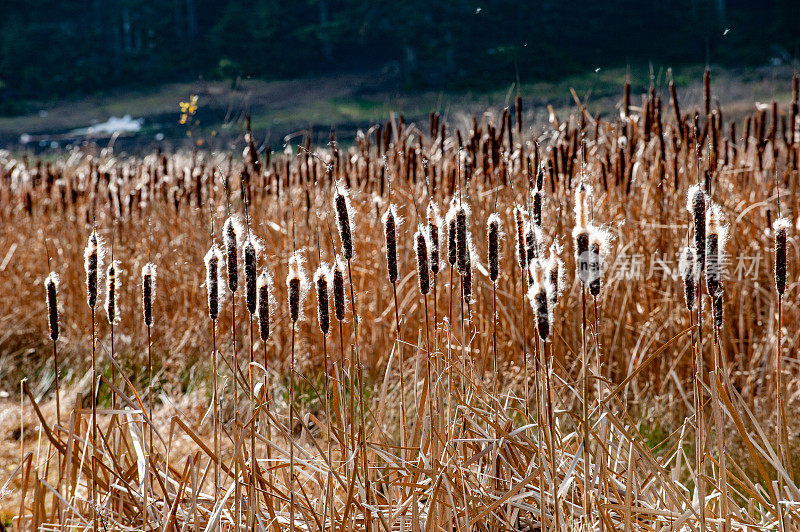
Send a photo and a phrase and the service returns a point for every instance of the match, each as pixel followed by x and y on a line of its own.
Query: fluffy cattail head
pixel 452 239
pixel 583 198
pixel 780 226
pixel 467 273
pixel 434 224
pixel 421 250
pixel 719 312
pixel 539 295
pixel 599 240
pixel 555 273
pixel 461 238
pixel 519 222
pixel 493 236
pixel 537 208
pixel 266 302
pixel 213 259
pixel 534 240
pixel 250 252
pixel 297 284
pixel 696 205
pixel 390 223
pixel 339 301
pixel 92 259
pixel 344 215
pixel 112 292
pixel 148 292
pixel 716 236
pixel 51 287
pixel 230 232
pixel 322 278
pixel 688 268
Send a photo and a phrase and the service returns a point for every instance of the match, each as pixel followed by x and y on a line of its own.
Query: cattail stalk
pixel 780 228
pixel 322 279
pixel 212 260
pixel 493 238
pixel 51 289
pixel 390 222
pixel 295 282
pixel 91 265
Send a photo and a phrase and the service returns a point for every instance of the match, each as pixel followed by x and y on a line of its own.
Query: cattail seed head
pixel 434 223
pixel 250 252
pixel 390 222
pixel 583 198
pixel 112 293
pixel 461 238
pixel 533 242
pixel 540 297
pixel 780 227
pixel 716 236
pixel 51 287
pixel 339 301
pixel 148 292
pixel 493 230
pixel 231 231
pixel 341 202
pixel 599 241
pixel 688 268
pixel 266 302
pixel 467 273
pixel 555 273
pixel 581 236
pixel 421 249
pixel 297 284
pixel 696 205
pixel 537 208
pixel 322 279
pixel 213 259
pixel 452 239
pixel 92 259
pixel 519 222
pixel 719 313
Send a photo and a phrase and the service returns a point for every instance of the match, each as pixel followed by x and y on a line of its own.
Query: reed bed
pixel 574 375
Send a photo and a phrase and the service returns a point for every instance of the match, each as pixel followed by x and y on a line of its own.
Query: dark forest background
pixel 61 48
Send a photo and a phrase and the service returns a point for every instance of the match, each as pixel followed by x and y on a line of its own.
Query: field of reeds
pixel 580 324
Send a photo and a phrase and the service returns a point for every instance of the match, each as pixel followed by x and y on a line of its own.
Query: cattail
pixel 696 205
pixel 51 287
pixel 250 252
pixel 339 306
pixel 321 281
pixel 716 235
pixel 555 273
pixel 533 242
pixel 112 291
pixel 537 208
pixel 296 282
pixel 599 240
pixel 390 232
pixel 265 303
pixel 687 271
pixel 341 202
pixel 581 232
pixel 91 262
pixel 461 238
pixel 539 297
pixel 780 227
pixel 493 237
pixel 719 299
pixel 519 222
pixel 212 259
pixel 148 292
pixel 421 249
pixel 467 273
pixel 230 233
pixel 452 244
pixel 434 221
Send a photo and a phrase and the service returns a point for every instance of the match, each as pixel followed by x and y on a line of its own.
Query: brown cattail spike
pixel 341 202
pixel 421 249
pixel 91 262
pixel 148 292
pixel 696 205
pixel 539 296
pixel 51 287
pixel 461 238
pixel 321 282
pixel 250 254
pixel 112 291
pixel 212 259
pixel 265 303
pixel 716 235
pixel 493 238
pixel 296 283
pixel 519 223
pixel 467 273
pixel 434 222
pixel 452 244
pixel 780 227
pixel 339 306
pixel 230 233
pixel 390 234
